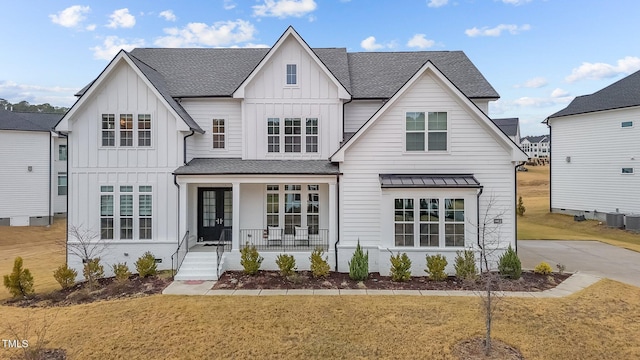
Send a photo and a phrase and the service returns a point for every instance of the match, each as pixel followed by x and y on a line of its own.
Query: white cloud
pixel 112 44
pixel 516 2
pixel 71 16
pixel 37 94
pixel 497 31
pixel 420 41
pixel 168 15
pixel 437 3
pixel 559 93
pixel 596 71
pixel 536 82
pixel 90 27
pixel 121 19
pixel 222 33
pixel 370 44
pixel 284 8
pixel 228 4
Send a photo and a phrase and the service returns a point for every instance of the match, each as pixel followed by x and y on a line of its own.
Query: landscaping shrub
pixel 121 272
pixel 20 281
pixel 435 267
pixel 250 259
pixel 400 267
pixel 93 272
pixel 465 265
pixel 509 264
pixel 561 268
pixel 319 265
pixel 520 209
pixel 287 264
pixel 543 268
pixel 359 265
pixel 146 265
pixel 65 276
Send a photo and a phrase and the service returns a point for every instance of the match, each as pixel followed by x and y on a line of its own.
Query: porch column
pixel 235 223
pixel 182 210
pixel 333 215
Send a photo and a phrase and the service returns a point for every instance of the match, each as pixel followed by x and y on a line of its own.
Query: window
pixel 437 128
pixel 62 183
pixel 126 212
pixel 415 131
pixel 312 135
pixel 293 205
pixel 144 130
pixel 108 130
pixel 313 209
pixel 292 74
pixel 273 206
pixel 62 152
pixel 292 208
pixel 292 135
pixel 627 170
pixel 106 212
pixel 424 222
pixel 454 222
pixel 626 124
pixel 126 130
pixel 434 135
pixel 144 212
pixel 273 135
pixel 218 133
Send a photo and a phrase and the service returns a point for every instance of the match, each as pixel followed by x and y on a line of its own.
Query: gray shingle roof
pixel 225 166
pixel 428 181
pixel 508 126
pixel 536 139
pixel 24 121
pixel 623 93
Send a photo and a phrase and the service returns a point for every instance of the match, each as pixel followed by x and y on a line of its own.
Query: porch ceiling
pixel 225 166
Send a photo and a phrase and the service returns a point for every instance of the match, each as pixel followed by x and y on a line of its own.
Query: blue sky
pixel 538 54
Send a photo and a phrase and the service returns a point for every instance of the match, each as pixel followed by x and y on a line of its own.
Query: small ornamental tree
pixel 319 265
pixel 20 281
pixel 520 209
pixel 93 271
pixel 400 267
pixel 509 264
pixel 65 276
pixel 465 265
pixel 359 265
pixel 250 259
pixel 435 267
pixel 146 265
pixel 286 264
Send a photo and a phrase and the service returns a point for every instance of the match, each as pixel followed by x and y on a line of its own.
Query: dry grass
pixel 41 248
pixel 539 224
pixel 601 322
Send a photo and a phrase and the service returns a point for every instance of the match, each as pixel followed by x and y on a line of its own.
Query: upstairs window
pixel 126 130
pixel 414 125
pixel 292 135
pixel 108 130
pixel 312 135
pixel 218 134
pixel 144 130
pixel 426 130
pixel 292 74
pixel 289 136
pixel 62 152
pixel 437 128
pixel 273 135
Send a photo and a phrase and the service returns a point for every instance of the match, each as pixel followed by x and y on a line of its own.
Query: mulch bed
pixel 304 280
pixel 108 289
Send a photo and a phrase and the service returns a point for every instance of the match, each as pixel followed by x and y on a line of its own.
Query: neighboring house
pixel 511 127
pixel 536 146
pixel 33 182
pixel 287 148
pixel 595 152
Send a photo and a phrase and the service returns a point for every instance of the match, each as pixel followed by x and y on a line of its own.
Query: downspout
pixel 184 147
pixel 335 246
pixel 175 181
pixel 478 214
pixel 550 168
pixel 515 193
pixel 50 220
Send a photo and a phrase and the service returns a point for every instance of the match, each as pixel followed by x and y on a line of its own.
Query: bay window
pixel 423 222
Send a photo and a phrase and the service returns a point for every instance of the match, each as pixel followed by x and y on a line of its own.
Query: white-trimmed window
pixel 626 124
pixel 62 152
pixel 126 212
pixel 62 183
pixel 293 205
pixel 218 134
pixel 145 212
pixel 627 171
pixel 311 131
pixel 292 74
pixel 292 208
pixel 126 130
pixel 429 222
pixel 292 135
pixel 273 135
pixel 108 130
pixel 106 212
pixel 426 130
pixel 313 209
pixel 144 130
pixel 273 205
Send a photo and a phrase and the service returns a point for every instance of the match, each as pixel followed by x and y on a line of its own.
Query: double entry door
pixel 214 214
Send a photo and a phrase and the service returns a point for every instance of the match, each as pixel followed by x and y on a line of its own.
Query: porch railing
pixel 178 257
pixel 224 244
pixel 276 239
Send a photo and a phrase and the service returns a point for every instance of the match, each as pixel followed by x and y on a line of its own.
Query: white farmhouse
pixel 536 146
pixel 183 152
pixel 33 183
pixel 595 152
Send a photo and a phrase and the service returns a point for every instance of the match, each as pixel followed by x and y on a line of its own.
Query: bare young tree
pixel 85 243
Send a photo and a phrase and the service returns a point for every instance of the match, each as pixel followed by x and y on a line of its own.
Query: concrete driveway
pixel 591 257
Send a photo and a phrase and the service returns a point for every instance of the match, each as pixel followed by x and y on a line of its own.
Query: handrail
pixel 178 258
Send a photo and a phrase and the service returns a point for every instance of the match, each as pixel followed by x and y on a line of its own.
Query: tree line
pixel 25 106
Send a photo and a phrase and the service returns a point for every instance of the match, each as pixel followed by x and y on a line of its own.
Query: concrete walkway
pixel 576 282
pixel 589 257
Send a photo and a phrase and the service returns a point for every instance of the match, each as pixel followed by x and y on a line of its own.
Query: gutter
pixel 335 246
pixel 184 147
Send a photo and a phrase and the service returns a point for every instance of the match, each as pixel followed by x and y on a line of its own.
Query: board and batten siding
pixel 203 111
pixel 24 193
pixel 472 149
pixel 314 96
pixel 589 152
pixel 91 165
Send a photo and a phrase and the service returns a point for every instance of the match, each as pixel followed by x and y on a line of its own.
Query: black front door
pixel 214 213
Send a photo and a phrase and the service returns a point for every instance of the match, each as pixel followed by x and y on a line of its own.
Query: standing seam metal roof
pixel 428 181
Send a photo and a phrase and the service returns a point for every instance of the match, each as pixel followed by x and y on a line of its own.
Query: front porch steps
pixel 199 266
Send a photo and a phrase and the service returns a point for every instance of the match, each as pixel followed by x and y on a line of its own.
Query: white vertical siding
pixel 598 148
pixel 203 111
pixel 357 112
pixel 22 192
